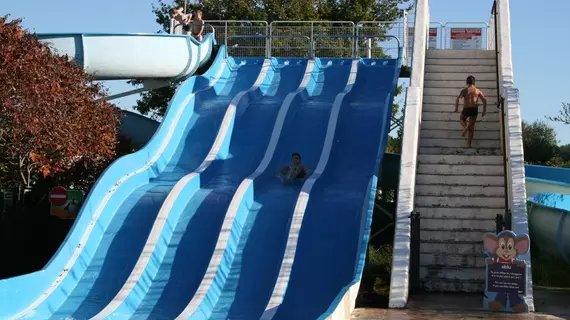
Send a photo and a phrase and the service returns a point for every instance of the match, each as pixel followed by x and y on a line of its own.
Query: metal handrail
pixel 501 106
pixel 311 22
pixel 374 37
pixel 174 26
pixel 271 36
pixel 225 22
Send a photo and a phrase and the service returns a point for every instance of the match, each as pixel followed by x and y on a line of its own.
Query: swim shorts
pixel 470 112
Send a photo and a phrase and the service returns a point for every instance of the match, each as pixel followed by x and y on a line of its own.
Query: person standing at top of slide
pixel 470 96
pixel 182 18
pixel 198 26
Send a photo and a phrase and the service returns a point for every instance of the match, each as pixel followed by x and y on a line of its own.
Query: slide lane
pixel 179 262
pixel 332 240
pixel 110 246
pixel 124 239
pixel 244 280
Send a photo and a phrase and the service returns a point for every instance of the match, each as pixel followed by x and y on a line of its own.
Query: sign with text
pixel 466 38
pixel 506 275
pixel 432 40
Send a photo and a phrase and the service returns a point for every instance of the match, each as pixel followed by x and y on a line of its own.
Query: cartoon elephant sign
pixel 506 276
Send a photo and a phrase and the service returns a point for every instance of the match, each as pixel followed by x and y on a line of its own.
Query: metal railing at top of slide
pixel 327 39
pixel 458 35
pixel 342 39
pixel 177 28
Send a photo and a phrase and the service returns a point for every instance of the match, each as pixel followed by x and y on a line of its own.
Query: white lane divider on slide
pixel 166 207
pixel 107 197
pixel 299 212
pixel 236 200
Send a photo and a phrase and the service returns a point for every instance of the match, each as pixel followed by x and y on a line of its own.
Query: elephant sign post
pixel 505 286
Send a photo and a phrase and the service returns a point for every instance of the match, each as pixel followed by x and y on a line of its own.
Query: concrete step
pixel 450 108
pixel 482 84
pixel 446 190
pixel 450 100
pixel 452 260
pixel 461 76
pixel 446 285
pixel 460 143
pixel 459 234
pixel 454 116
pixel 474 171
pixel 465 69
pixel 452 247
pixel 451 134
pixel 452 273
pixel 454 92
pixel 461 54
pixel 460 180
pixel 455 125
pixel 460 159
pixel 461 151
pixel 461 62
pixel 454 214
pixel 451 224
pixel 460 202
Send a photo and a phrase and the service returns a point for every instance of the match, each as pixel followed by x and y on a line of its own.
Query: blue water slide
pixel 118 56
pixel 255 231
pixel 114 223
pixel 549 223
pixel 541 179
pixel 548 191
pixel 180 253
pixel 333 238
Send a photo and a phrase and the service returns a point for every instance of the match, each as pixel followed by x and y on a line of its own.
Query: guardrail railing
pixel 342 39
pixel 326 39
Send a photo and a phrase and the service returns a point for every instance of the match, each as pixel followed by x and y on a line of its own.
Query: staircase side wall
pixel 515 172
pixel 410 138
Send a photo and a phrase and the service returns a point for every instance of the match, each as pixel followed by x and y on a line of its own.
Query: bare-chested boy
pixel 470 96
pixel 182 18
pixel 198 26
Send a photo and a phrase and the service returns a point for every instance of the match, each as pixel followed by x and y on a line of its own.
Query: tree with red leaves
pixel 51 113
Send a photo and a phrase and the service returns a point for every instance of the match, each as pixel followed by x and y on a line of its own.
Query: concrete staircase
pixel 459 190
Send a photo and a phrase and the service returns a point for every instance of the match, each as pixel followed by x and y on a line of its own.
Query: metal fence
pixel 380 39
pixel 455 34
pixel 327 39
pixel 307 39
pixel 342 39
pixel 243 38
pixel 176 28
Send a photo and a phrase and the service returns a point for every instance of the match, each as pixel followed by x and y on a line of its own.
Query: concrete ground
pixel 549 304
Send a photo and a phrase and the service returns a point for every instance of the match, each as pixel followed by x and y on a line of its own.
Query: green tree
pixel 539 142
pixel 563 115
pixel 155 102
pixel 564 152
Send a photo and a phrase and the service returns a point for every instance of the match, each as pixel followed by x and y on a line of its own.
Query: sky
pixel 539 37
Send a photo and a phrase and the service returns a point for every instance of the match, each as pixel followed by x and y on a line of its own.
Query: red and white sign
pixel 58 196
pixel 432 40
pixel 466 38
